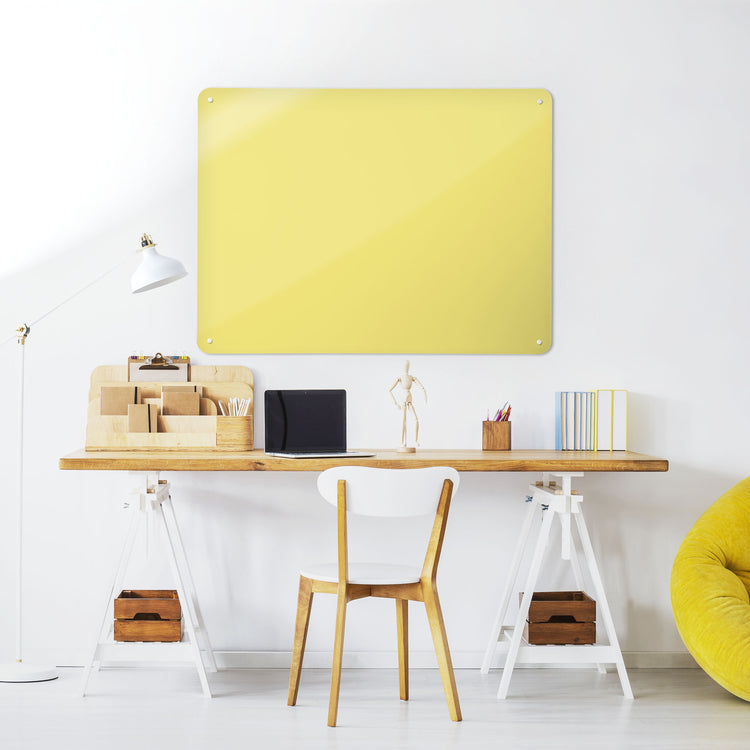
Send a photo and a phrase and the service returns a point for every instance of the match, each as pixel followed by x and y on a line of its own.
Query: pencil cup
pixel 495 436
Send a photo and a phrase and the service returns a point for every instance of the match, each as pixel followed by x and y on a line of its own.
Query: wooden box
pixel 495 436
pixel 560 617
pixel 148 615
pixel 204 431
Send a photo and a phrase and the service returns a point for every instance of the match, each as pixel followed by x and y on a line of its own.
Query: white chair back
pixel 392 493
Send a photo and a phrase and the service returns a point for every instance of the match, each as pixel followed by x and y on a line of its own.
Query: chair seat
pixel 364 573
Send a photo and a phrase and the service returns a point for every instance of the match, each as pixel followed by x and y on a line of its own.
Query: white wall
pixel 650 265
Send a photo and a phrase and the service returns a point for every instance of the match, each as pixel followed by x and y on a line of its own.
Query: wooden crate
pixel 152 615
pixel 560 618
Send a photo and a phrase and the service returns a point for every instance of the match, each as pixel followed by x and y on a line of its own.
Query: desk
pixel 461 460
pixel 561 500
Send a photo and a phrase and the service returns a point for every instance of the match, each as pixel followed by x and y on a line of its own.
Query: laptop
pixel 307 424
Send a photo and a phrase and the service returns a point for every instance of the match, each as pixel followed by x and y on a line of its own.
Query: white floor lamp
pixel 154 271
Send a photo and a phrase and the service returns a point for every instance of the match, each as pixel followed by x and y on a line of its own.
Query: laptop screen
pixel 305 421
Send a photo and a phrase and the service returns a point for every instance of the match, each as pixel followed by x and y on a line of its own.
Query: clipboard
pixel 159 368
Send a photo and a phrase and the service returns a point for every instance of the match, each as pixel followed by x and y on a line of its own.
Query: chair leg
pixel 402 627
pixel 338 654
pixel 440 640
pixel 304 603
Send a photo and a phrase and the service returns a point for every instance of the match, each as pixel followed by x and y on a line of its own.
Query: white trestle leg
pixel 552 500
pixel 153 507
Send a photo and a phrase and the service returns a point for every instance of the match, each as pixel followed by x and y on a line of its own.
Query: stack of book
pixel 591 420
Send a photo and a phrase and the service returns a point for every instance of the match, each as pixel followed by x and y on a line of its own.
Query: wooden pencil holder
pixel 495 436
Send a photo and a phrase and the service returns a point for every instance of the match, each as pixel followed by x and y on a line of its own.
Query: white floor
pixel 547 708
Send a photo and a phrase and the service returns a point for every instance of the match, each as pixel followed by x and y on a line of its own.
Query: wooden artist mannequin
pixel 405 380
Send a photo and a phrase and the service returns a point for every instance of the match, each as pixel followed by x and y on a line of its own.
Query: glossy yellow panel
pixel 368 220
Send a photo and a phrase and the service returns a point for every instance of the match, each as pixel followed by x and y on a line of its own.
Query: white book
pixel 585 418
pixel 604 420
pixel 619 420
pixel 570 422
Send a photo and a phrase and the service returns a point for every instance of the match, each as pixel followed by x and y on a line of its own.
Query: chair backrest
pixel 392 493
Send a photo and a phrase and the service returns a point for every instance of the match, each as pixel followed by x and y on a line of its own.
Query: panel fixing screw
pixel 210 100
pixel 209 341
pixel 539 342
pixel 538 101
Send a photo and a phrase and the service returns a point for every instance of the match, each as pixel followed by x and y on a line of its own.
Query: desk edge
pixel 257 461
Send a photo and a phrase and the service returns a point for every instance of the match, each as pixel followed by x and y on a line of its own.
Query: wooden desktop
pixel 459 459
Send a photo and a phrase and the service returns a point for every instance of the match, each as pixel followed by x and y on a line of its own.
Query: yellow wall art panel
pixel 375 220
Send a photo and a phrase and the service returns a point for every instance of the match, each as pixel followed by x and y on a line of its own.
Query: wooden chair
pixel 389 493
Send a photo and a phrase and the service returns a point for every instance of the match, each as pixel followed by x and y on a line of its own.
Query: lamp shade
pixel 155 270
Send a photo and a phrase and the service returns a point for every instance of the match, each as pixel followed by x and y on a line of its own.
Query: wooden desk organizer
pixel 208 431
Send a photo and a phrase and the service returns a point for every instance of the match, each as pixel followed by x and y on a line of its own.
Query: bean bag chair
pixel 709 588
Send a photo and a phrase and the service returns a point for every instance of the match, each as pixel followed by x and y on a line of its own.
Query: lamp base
pixel 17 671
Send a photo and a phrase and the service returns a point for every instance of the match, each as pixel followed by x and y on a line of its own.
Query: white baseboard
pixel 426 660
pixel 367 659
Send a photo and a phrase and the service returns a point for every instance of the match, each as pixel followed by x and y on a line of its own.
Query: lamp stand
pixel 19 671
pixel 154 271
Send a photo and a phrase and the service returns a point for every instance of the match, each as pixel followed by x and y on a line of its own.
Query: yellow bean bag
pixel 709 586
